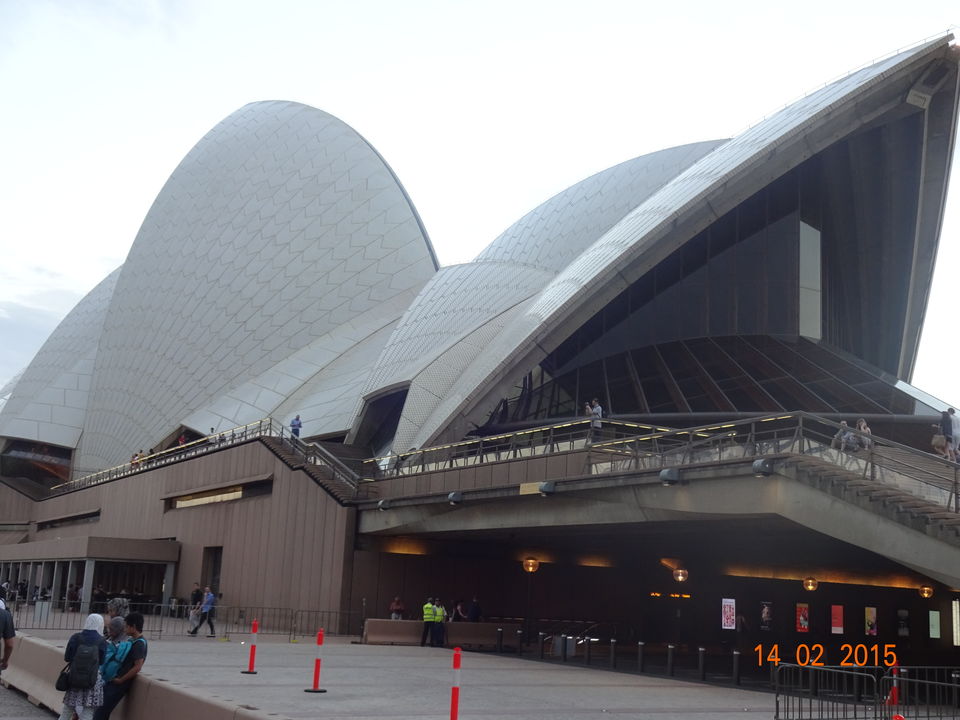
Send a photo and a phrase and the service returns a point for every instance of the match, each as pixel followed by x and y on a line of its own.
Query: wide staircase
pixel 884 498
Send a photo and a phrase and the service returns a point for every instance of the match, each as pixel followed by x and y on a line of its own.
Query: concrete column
pixel 87 587
pixel 71 578
pixel 46 574
pixel 168 583
pixel 57 591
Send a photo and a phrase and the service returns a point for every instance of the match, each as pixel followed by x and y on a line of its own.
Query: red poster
pixel 836 619
pixel 803 617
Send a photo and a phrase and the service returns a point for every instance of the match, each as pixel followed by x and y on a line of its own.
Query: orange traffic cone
pixel 894 697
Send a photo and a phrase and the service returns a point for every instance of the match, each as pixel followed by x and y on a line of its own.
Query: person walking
pixel 295 426
pixel 207 612
pixel 86 651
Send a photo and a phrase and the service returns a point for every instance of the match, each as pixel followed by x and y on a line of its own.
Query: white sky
pixel 483 109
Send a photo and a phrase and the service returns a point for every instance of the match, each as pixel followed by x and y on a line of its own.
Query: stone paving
pixel 15 706
pixel 368 681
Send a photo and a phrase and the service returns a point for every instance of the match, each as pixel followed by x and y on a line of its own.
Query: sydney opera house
pixel 728 303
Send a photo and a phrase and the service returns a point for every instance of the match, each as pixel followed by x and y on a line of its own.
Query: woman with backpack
pixel 86 651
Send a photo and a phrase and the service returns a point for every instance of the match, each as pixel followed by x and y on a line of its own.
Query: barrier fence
pixel 166 620
pixel 810 693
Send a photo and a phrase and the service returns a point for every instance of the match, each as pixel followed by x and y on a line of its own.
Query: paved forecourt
pixel 15 706
pixel 398 682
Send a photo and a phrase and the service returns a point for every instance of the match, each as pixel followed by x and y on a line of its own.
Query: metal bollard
pixel 702 663
pixel 519 642
pixel 540 640
pixel 563 648
pixel 586 651
pixel 613 652
pixel 640 656
pixel 499 640
pixel 736 667
pixel 670 649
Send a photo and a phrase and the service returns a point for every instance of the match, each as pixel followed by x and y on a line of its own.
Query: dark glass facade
pixel 793 300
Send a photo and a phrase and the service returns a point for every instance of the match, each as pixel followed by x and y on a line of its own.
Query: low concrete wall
pixel 377 631
pixel 36 663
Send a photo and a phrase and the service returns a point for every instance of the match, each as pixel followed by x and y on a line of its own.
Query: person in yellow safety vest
pixel 439 617
pixel 429 618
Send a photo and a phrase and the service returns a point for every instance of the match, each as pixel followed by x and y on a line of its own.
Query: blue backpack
pixel 116 654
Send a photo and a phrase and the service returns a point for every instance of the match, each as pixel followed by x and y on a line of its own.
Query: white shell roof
pixel 280 240
pixel 595 275
pixel 464 306
pixel 48 400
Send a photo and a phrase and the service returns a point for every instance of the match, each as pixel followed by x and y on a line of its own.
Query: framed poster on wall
pixel 803 617
pixel 728 614
pixel 870 621
pixel 903 623
pixel 766 615
pixel 955 611
pixel 934 624
pixel 836 619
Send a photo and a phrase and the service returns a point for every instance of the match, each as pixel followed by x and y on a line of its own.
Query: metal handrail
pixel 266 427
pixel 545 439
pixel 801 436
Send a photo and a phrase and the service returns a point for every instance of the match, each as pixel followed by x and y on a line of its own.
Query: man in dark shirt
pixel 115 690
pixel 7 632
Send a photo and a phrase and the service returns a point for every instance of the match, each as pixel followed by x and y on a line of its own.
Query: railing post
pixel 670 651
pixel 956 499
pixel 640 645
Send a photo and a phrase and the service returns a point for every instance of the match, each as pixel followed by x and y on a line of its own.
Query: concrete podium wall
pixel 36 663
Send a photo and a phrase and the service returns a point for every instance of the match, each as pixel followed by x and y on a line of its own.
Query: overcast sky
pixel 483 109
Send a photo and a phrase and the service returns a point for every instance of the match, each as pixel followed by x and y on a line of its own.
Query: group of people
pixel 102 659
pixel 947 435
pixel 847 439
pixel 435 615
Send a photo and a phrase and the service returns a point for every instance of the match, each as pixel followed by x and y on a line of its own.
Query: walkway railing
pixel 532 442
pixel 927 476
pixel 268 427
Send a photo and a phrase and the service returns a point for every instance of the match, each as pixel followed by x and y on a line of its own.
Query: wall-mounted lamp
pixel 926 591
pixel 531 565
pixel 455 498
pixel 762 467
pixel 547 488
pixel 671 476
pixel 383 505
pixel 681 574
pixel 810 583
